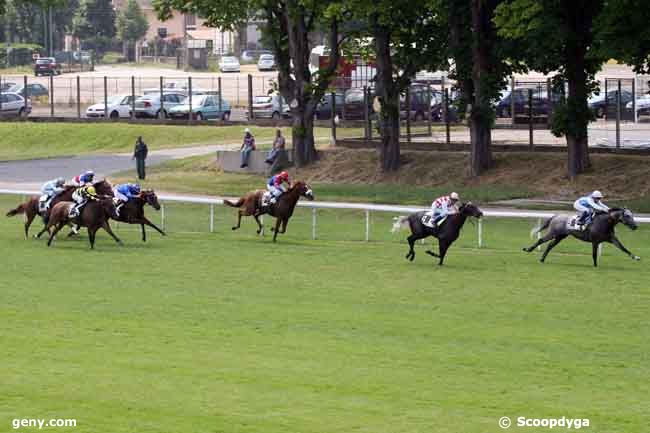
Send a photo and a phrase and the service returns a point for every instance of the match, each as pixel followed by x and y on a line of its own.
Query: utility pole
pixel 187 50
pixel 50 31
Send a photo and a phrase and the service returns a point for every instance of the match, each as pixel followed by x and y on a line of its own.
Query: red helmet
pixel 284 175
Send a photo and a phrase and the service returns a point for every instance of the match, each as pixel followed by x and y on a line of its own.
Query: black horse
pixel 132 212
pixel 601 230
pixel 446 233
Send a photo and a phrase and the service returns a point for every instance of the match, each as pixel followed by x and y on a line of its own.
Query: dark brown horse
pixel 132 212
pixel 251 205
pixel 94 215
pixel 447 233
pixel 30 207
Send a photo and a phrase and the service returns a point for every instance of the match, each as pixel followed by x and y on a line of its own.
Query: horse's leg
pixel 144 234
pixel 58 227
pixel 547 237
pixel 411 240
pixel 239 215
pixel 91 236
pixel 145 222
pixel 108 229
pixel 594 252
pixel 259 223
pixel 443 247
pixel 284 225
pixel 29 217
pixel 278 221
pixel 45 228
pixel 550 246
pixel 614 240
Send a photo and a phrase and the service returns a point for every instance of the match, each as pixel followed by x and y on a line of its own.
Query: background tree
pixel 406 38
pixel 289 24
pixel 132 25
pixel 94 24
pixel 557 35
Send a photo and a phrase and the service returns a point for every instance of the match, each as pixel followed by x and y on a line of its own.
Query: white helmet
pixel 247 130
pixel 59 181
pixel 454 196
pixel 596 194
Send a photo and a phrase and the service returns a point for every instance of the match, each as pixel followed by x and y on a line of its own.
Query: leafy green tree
pixel 94 23
pixel 132 25
pixel 289 25
pixel 558 35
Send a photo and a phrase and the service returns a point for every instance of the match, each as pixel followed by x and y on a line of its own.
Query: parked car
pixel 204 107
pixel 151 106
pixel 118 106
pixel 6 86
pixel 14 105
pixel 252 55
pixel 642 105
pixel 46 66
pixel 542 105
pixel 270 107
pixel 324 107
pixel 353 108
pixel 438 112
pixel 602 106
pixel 229 64
pixel 266 62
pixel 419 98
pixel 34 90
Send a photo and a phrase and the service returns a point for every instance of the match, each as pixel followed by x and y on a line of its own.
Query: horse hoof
pixel 526 250
pixel 637 258
pixel 234 228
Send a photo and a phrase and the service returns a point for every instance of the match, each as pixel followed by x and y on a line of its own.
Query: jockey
pixel 83 179
pixel 276 186
pixel 50 190
pixel 443 206
pixel 124 193
pixel 588 206
pixel 81 196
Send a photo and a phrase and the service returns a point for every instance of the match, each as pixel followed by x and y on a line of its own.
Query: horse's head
pixel 625 216
pixel 469 209
pixel 304 190
pixel 104 187
pixel 150 198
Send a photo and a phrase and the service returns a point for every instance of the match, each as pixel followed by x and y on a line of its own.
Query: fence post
pixel 162 104
pixel 52 95
pixel 480 233
pixel 211 217
pixel 369 117
pixel 513 83
pixel 549 95
pixel 0 98
pixel 220 94
pixel 25 91
pixel 250 97
pixel 132 97
pixel 162 216
pixel 367 225
pixel 634 98
pixel 189 98
pixel 365 112
pixel 313 224
pixel 618 116
pixel 105 98
pixel 606 101
pixel 78 97
pixel 447 127
pixel 333 118
pixel 408 114
pixel 530 119
pixel 429 126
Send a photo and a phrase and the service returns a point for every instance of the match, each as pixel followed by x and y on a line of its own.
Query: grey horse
pixel 601 230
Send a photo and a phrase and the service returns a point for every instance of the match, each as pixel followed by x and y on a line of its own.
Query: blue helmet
pixel 88 175
pixel 135 188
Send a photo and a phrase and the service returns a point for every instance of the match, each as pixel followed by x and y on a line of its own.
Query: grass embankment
pixel 228 332
pixel 26 140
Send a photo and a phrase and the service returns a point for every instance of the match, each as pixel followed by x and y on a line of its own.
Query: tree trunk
pixel 302 135
pixel 481 112
pixel 388 94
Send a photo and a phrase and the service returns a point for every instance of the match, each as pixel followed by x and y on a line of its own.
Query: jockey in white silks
pixel 588 206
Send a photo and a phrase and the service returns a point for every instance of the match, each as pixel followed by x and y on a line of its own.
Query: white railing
pixel 315 205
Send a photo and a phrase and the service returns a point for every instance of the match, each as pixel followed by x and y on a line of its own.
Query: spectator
pixel 278 146
pixel 246 148
pixel 140 154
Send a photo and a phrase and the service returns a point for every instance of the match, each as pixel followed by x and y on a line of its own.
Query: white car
pixel 266 62
pixel 14 105
pixel 118 106
pixel 229 64
pixel 642 105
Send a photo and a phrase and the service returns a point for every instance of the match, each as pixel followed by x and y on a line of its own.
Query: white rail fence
pixel 211 202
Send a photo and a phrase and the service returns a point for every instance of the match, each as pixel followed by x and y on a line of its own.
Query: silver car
pixel 266 62
pixel 229 64
pixel 151 106
pixel 270 107
pixel 13 105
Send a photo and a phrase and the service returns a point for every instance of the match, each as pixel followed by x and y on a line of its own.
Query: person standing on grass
pixel 278 146
pixel 140 154
pixel 247 147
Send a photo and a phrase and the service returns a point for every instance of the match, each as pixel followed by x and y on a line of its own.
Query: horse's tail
pixel 20 209
pixel 544 226
pixel 236 204
pixel 400 223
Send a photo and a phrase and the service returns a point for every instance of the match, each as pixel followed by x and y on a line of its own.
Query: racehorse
pixel 132 212
pixel 251 205
pixel 31 210
pixel 601 230
pixel 94 215
pixel 446 233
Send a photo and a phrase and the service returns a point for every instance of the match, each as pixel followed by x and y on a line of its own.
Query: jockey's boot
pixel 117 209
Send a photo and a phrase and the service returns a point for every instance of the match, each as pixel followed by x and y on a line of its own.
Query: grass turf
pixel 225 332
pixel 27 140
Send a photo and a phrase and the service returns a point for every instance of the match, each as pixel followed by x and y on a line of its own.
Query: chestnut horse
pixel 132 212
pixel 30 207
pixel 251 205
pixel 94 215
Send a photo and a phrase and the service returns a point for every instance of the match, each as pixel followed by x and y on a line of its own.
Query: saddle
pixel 572 224
pixel 428 220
